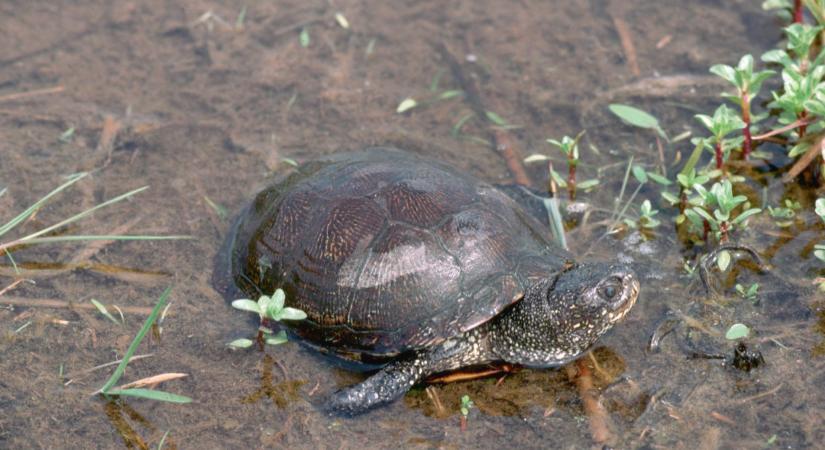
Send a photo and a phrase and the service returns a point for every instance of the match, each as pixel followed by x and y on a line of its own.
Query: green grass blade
pixel 34 207
pixel 151 394
pixel 556 223
pixel 83 214
pixel 103 237
pixel 136 342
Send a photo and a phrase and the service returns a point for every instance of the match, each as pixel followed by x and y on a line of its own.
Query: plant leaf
pixel 737 331
pixel 292 314
pixel 151 394
pixel 723 260
pixel 245 304
pixel 277 339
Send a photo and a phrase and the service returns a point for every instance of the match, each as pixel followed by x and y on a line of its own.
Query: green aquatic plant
pixel 783 215
pixel 150 394
pixel 715 209
pixel 646 219
pixel 748 294
pixel 721 124
pixel 570 147
pixel 50 234
pixel 268 308
pixel 747 84
pixel 464 407
pixel 737 331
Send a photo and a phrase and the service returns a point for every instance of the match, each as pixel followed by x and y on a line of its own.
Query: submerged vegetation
pixel 269 309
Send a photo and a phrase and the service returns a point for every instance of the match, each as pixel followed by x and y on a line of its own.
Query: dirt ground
pixel 204 99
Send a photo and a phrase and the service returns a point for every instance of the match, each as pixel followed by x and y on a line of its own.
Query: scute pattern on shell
pixel 386 251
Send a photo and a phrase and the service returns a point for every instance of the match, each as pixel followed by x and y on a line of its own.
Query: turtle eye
pixel 610 289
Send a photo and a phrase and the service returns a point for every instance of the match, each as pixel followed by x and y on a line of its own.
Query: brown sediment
pixel 596 413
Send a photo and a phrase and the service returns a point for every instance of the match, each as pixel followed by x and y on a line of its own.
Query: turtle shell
pixel 386 252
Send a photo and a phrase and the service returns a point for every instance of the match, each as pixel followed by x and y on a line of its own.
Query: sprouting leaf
pixel 636 117
pixel 640 174
pixel 303 38
pixel 659 179
pixel 587 184
pixel 277 339
pixel 342 21
pixel 450 94
pixel 406 105
pixel 496 119
pixel 820 208
pixel 737 331
pixel 535 157
pixel 292 314
pixel 67 135
pixel 723 260
pixel 245 304
pixel 240 343
pixel 278 298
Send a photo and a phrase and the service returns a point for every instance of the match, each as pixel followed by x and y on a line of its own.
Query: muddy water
pixel 185 98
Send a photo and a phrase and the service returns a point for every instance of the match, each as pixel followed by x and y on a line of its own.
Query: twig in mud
pixel 806 159
pixel 627 44
pixel 499 138
pixel 722 418
pixel 14 284
pixel 34 93
pixel 795 124
pixel 767 393
pixel 599 429
pixel 85 372
pixel 433 395
pixel 54 303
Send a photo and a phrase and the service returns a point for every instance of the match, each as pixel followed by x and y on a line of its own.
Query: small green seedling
pixel 66 136
pixel 466 405
pixel 747 85
pixel 722 123
pixel 268 309
pixel 715 208
pixel 570 147
pixel 303 37
pixel 737 331
pixel 646 220
pixel 749 293
pixel 784 215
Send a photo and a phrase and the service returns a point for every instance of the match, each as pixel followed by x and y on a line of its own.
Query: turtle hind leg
pixel 385 386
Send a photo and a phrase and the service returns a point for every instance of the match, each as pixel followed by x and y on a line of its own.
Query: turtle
pixel 410 267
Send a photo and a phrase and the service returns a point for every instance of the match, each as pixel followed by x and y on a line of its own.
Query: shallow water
pixel 207 109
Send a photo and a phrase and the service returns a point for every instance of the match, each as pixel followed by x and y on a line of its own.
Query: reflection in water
pixel 122 416
pixel 281 394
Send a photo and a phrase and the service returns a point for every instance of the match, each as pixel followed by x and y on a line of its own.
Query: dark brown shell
pixel 386 251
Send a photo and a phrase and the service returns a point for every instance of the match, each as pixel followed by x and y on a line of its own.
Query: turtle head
pixel 561 317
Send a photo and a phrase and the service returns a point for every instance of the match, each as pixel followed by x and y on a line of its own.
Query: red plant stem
pixel 797 11
pixel 802 128
pixel 718 151
pixel 746 131
pixel 571 178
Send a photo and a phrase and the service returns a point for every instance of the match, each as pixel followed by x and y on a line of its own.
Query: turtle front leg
pixel 385 386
